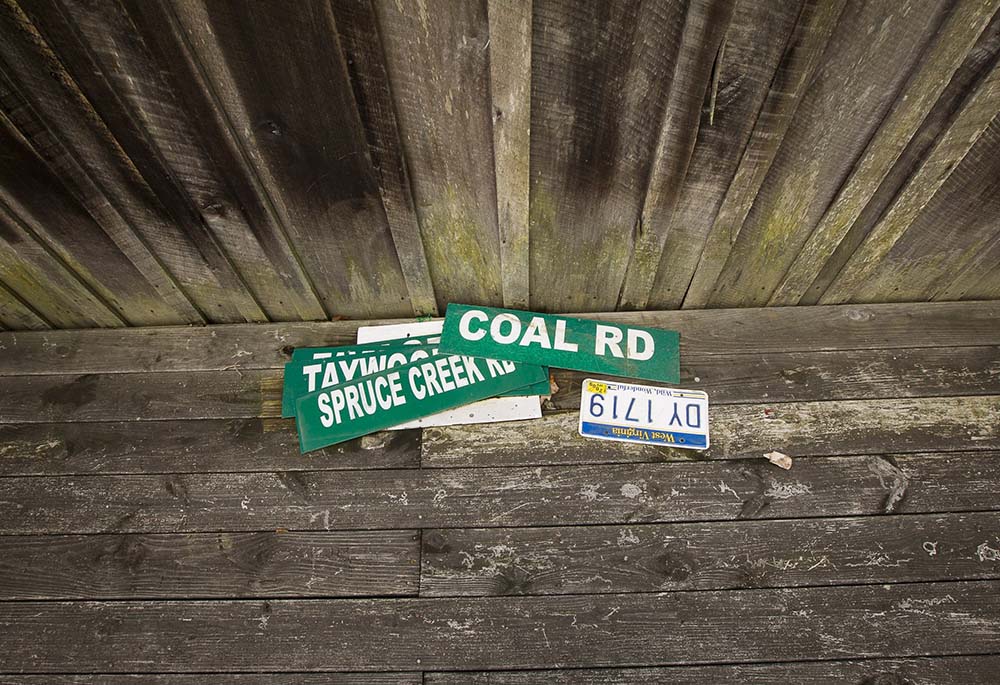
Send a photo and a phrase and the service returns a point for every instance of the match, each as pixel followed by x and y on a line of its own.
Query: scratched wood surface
pixel 230 161
pixel 150 500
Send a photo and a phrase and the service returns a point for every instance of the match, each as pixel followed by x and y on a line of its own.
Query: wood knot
pixel 887 679
pixel 272 128
pixel 436 543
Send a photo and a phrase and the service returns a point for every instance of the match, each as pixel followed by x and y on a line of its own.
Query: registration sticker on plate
pixel 644 413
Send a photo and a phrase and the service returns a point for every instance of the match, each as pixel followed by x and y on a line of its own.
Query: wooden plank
pixel 439 73
pixel 979 280
pixel 963 83
pixel 466 497
pixel 601 78
pixel 510 90
pixel 860 80
pixel 277 73
pixel 739 431
pixel 222 679
pixel 89 160
pixel 803 51
pixel 935 68
pixel 744 68
pixel 370 79
pixel 41 279
pixel 474 562
pixel 951 670
pixel 205 446
pixel 508 632
pixel 225 565
pixel 735 379
pixel 37 197
pixel 953 145
pixel 134 94
pixel 925 258
pixel 705 26
pixel 17 315
pixel 269 346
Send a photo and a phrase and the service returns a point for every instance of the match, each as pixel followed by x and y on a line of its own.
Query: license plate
pixel 644 413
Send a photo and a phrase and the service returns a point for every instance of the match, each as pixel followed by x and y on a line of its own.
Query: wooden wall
pixel 216 161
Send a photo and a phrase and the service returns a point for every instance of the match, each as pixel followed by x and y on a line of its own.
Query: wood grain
pixel 437 57
pixel 226 565
pixel 957 670
pixel 520 632
pixel 17 314
pixel 805 48
pixel 937 65
pixel 325 678
pixel 510 90
pixel 729 379
pixel 466 497
pixel 205 446
pixel 269 346
pixel 710 556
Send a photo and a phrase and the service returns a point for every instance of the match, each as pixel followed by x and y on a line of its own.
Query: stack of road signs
pixel 485 364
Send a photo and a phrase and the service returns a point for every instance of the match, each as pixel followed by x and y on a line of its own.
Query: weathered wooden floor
pixel 156 518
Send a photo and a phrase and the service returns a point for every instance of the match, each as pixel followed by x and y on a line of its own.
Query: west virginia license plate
pixel 644 413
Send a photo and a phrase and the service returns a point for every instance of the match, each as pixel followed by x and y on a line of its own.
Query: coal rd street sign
pixel 329 366
pixel 562 341
pixel 404 393
pixel 643 413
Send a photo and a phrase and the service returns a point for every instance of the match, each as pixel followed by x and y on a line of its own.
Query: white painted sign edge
pixel 493 410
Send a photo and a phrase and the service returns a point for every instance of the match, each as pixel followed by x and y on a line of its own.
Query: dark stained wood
pixel 439 72
pixel 709 556
pixel 803 51
pixel 729 379
pixel 702 45
pixel 33 194
pixel 952 670
pixel 930 78
pixel 510 89
pixel 135 95
pixel 15 313
pixel 554 495
pixel 229 565
pixel 601 73
pixel 965 128
pixel 860 81
pixel 508 632
pixel 277 73
pixel 199 446
pixel 744 68
pixel 366 65
pixel 777 329
pixel 223 679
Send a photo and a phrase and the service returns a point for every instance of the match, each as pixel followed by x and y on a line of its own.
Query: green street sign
pixel 404 393
pixel 323 367
pixel 302 354
pixel 562 341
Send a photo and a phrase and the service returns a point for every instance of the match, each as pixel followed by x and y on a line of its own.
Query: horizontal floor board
pixel 952 670
pixel 204 445
pixel 222 679
pixel 717 331
pixel 557 495
pixel 508 632
pixel 729 379
pixel 709 556
pixel 176 566
pixel 797 429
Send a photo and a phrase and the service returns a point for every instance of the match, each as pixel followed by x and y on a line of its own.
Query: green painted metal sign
pixel 562 341
pixel 404 393
pixel 316 368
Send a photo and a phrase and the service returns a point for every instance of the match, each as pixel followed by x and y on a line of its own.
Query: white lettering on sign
pixel 507 329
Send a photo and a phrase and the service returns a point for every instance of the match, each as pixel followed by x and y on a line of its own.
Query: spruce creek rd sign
pixel 403 393
pixel 562 341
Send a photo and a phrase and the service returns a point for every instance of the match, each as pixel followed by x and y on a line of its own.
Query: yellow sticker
pixel 594 386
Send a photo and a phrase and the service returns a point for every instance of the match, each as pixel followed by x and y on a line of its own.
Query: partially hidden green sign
pixel 317 368
pixel 405 393
pixel 562 341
